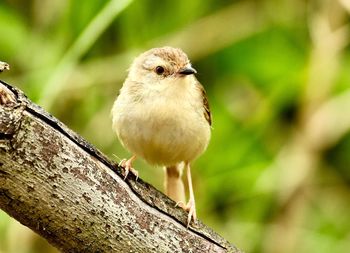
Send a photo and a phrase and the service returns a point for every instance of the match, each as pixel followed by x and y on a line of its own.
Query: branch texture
pixel 63 188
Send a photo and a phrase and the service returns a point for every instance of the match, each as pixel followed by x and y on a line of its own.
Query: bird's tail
pixel 174 186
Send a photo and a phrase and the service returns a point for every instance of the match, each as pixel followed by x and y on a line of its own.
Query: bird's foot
pixel 127 165
pixel 190 207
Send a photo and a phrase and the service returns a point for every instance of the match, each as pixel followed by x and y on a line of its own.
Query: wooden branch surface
pixel 63 188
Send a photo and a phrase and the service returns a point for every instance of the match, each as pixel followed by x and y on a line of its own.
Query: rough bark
pixel 63 188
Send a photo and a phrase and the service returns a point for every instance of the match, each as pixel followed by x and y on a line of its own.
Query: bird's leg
pixel 174 187
pixel 127 165
pixel 191 204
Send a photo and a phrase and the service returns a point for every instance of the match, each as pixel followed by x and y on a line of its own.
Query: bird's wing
pixel 206 107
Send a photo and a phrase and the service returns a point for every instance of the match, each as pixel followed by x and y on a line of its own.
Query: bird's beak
pixel 188 71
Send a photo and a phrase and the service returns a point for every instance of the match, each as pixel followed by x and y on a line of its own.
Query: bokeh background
pixel 276 175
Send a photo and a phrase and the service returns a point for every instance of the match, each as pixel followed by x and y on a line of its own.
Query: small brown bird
pixel 162 115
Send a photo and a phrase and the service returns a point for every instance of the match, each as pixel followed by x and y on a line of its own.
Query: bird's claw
pixel 180 204
pixel 127 165
pixel 190 207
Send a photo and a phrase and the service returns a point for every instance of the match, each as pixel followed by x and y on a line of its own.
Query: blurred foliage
pixel 276 175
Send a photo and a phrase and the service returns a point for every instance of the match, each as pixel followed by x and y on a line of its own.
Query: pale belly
pixel 163 135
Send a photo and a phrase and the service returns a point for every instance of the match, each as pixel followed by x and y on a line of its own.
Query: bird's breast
pixel 162 130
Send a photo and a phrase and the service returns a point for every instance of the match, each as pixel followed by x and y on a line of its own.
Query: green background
pixel 276 175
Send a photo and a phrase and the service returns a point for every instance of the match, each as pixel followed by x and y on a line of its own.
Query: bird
pixel 162 115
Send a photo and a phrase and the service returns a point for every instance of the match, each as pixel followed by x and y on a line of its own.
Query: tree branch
pixel 63 188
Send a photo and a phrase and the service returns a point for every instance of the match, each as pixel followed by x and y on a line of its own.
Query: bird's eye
pixel 159 70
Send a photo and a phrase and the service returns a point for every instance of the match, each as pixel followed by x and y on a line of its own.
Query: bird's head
pixel 160 66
